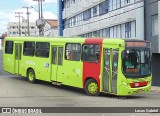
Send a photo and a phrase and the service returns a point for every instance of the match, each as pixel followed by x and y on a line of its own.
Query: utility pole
pixel 40 22
pixel 19 16
pixel 28 13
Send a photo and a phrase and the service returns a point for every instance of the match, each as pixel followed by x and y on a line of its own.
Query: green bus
pixel 117 66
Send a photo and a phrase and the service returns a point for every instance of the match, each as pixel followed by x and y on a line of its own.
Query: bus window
pixel 90 52
pixel 60 56
pixel 29 48
pixel 9 47
pixel 136 63
pixel 54 55
pixel 73 52
pixel 42 49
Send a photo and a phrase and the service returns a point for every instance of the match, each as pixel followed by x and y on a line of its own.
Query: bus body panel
pixel 72 73
pixel 92 69
pixel 8 63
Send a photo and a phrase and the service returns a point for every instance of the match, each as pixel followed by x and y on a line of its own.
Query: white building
pixel 51 28
pixel 14 30
pixel 104 18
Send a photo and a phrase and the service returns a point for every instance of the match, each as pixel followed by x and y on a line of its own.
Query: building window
pixel 9 47
pixel 42 49
pixel 103 7
pixel 73 1
pixel 104 32
pixel 66 23
pixel 154 25
pixel 90 52
pixel 74 21
pixel 14 32
pixel 73 52
pixel 29 48
pixel 87 14
pixel 96 33
pixel 128 30
pixel 68 3
pixel 64 4
pixel 127 1
pixel 32 27
pixel 94 11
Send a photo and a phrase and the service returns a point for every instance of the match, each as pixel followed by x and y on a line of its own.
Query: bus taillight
pixel 138 84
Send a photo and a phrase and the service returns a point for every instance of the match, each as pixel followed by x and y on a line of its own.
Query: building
pixel 152 9
pixel 104 18
pixel 51 28
pixel 152 32
pixel 2 40
pixel 14 30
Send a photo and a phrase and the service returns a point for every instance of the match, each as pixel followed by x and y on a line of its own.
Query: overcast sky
pixel 9 7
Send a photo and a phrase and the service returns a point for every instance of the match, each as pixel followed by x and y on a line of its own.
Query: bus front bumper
pixel 126 91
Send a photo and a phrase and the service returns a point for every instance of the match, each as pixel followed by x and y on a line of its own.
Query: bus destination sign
pixel 138 44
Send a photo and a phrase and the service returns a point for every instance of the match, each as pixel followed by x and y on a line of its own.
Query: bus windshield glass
pixel 136 63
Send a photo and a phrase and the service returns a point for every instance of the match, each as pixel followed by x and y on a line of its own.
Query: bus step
pixel 56 83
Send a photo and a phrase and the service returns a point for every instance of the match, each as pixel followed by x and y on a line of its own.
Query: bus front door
pixel 110 70
pixel 18 53
pixel 57 62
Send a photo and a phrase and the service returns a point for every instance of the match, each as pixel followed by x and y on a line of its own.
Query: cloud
pixel 33 15
pixel 4 21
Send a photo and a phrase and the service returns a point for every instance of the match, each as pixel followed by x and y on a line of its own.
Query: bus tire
pixel 91 87
pixel 31 76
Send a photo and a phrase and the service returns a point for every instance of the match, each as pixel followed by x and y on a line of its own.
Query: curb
pixel 155 89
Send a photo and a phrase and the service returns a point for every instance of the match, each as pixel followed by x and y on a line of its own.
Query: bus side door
pixel 57 62
pixel 18 53
pixel 110 70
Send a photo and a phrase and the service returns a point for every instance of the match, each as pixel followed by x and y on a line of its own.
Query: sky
pixel 9 7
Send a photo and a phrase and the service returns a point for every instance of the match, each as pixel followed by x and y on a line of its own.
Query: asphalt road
pixel 16 91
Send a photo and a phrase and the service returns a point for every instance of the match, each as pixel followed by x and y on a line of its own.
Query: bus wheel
pixel 31 76
pixel 91 87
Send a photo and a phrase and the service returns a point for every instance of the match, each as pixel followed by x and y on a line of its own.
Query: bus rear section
pixel 127 70
pixel 9 57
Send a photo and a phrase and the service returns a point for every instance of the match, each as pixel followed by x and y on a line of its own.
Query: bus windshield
pixel 136 63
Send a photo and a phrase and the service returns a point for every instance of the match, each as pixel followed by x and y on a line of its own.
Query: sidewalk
pixel 155 89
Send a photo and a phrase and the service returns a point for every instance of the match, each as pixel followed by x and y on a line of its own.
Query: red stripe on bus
pixel 92 69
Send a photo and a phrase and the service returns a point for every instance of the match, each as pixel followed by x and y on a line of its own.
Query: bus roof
pixel 68 39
